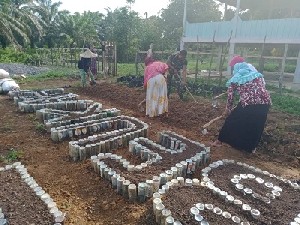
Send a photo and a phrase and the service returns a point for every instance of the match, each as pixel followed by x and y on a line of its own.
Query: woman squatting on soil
pixel 156 87
pixel 245 123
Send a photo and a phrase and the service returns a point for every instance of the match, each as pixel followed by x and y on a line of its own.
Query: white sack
pixel 3 74
pixel 8 84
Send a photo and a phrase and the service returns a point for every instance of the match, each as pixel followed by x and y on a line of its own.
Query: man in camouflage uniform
pixel 177 62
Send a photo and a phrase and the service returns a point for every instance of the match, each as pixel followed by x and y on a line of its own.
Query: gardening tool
pixel 140 105
pixel 205 126
pixel 185 86
pixel 188 91
pixel 214 99
pixel 220 95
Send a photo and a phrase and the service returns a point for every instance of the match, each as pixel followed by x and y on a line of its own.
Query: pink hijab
pixel 236 59
pixel 154 69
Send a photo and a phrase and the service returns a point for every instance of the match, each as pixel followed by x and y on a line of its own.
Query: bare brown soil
pixel 19 202
pixel 89 200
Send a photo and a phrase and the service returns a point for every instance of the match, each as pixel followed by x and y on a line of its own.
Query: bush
pixel 9 55
pixel 271 68
pixel 290 68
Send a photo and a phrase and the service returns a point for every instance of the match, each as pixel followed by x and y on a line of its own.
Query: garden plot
pixel 30 101
pixel 98 130
pixel 107 135
pixel 23 95
pixel 147 165
pixel 231 193
pixel 23 201
pixel 135 173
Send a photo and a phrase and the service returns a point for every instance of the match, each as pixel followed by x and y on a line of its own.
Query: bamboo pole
pixel 211 57
pixel 261 59
pixel 286 47
pixel 223 59
pixel 197 60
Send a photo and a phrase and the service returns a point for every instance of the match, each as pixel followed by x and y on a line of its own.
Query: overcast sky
pixel 152 7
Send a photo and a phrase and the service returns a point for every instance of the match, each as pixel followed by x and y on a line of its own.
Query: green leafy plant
pixel 12 155
pixel 40 127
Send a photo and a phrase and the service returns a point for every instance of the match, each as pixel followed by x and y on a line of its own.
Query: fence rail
pixel 68 57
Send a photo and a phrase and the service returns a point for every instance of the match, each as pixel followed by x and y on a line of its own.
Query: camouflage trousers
pixel 174 80
pixel 84 75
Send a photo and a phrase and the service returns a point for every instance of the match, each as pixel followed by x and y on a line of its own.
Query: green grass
pixel 273 88
pixel 12 156
pixel 286 103
pixel 125 69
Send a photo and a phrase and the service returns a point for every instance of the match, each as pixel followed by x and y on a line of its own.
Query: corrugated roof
pixel 279 4
pixel 285 31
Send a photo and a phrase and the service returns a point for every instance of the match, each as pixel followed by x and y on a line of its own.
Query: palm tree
pixel 18 22
pixel 81 29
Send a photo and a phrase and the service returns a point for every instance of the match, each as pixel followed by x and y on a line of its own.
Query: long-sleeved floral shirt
pixel 251 93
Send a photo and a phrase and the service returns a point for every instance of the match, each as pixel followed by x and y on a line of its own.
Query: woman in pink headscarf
pixel 245 122
pixel 156 86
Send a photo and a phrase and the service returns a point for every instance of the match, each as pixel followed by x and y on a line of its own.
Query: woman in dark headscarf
pixel 245 123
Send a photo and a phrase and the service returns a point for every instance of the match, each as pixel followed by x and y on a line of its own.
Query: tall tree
pixel 18 22
pixel 80 29
pixel 151 32
pixel 267 9
pixel 49 12
pixel 197 11
pixel 123 27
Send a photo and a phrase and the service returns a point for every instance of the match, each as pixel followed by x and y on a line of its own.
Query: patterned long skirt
pixel 156 96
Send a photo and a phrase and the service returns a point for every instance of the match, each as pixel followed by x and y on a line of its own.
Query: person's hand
pixel 226 112
pixel 165 76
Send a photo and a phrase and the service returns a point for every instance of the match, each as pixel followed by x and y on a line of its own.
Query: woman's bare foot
pixel 141 108
pixel 216 143
pixel 163 115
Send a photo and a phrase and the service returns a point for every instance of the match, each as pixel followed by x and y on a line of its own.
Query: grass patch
pixel 52 73
pixel 12 156
pixel 125 69
pixel 40 127
pixel 286 103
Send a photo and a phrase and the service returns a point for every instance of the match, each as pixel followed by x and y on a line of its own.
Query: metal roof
pixel 278 31
pixel 279 4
